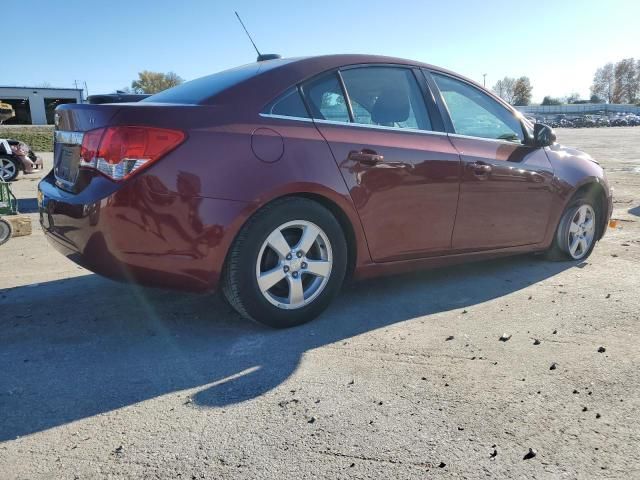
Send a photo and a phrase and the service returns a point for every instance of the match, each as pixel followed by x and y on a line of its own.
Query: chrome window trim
pixel 358 125
pixel 497 140
pixel 380 127
pixel 285 117
pixel 68 138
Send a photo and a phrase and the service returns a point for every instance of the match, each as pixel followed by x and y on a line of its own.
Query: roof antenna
pixel 261 57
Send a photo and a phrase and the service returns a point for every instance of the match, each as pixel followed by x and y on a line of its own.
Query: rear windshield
pixel 198 90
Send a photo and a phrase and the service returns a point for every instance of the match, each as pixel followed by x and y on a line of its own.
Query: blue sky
pixel 558 44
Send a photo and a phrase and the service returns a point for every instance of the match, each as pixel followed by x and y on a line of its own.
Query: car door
pixel 506 188
pixel 391 148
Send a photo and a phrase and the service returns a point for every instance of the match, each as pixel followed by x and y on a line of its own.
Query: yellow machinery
pixel 6 112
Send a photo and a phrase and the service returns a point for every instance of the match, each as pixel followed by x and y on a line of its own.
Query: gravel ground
pixel 401 378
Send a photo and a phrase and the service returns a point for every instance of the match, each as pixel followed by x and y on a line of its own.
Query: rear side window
pixel 289 104
pixel 475 114
pixel 326 100
pixel 386 96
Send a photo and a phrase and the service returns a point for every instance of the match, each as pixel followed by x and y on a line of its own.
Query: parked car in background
pixel 16 156
pixel 599 119
pixel 275 181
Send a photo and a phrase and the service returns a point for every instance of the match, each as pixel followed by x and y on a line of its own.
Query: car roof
pixel 284 73
pixel 322 63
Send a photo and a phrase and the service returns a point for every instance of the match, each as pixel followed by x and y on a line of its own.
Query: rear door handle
pixel 366 157
pixel 480 169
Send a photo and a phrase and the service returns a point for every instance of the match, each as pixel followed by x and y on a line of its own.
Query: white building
pixel 35 105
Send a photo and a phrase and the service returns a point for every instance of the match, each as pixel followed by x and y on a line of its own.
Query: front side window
pixel 325 99
pixel 386 96
pixel 476 114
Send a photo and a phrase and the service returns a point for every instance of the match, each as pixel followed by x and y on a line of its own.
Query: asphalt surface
pixel 403 377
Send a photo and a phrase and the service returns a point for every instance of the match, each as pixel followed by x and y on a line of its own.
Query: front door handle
pixel 366 157
pixel 480 169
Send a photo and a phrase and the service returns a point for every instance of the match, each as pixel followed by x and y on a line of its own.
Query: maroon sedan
pixel 276 180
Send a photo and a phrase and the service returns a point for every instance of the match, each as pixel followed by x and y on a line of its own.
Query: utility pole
pixel 484 80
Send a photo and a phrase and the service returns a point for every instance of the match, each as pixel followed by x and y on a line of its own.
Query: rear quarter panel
pixel 244 157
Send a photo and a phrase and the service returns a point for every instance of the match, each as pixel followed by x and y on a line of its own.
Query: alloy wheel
pixel 294 264
pixel 7 168
pixel 582 230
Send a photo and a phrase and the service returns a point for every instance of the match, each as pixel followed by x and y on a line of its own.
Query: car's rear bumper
pixel 132 233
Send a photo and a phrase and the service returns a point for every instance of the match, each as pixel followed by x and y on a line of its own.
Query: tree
pixel 596 99
pixel 638 77
pixel 626 88
pixel 154 82
pixel 522 91
pixel 603 82
pixel 550 101
pixel 573 98
pixel 505 89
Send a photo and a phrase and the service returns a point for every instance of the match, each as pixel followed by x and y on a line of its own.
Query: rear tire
pixel 286 264
pixel 577 231
pixel 9 168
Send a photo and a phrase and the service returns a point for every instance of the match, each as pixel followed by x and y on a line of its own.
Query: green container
pixel 8 201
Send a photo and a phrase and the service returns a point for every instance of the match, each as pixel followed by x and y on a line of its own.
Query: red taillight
pixel 119 152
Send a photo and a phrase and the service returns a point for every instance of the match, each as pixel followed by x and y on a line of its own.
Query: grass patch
pixel 39 138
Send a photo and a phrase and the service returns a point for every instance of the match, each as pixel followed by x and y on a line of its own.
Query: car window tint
pixel 289 104
pixel 476 114
pixel 325 98
pixel 386 96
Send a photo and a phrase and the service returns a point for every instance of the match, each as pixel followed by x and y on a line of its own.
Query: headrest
pixel 391 106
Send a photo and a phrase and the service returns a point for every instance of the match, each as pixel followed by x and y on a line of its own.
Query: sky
pixel 557 44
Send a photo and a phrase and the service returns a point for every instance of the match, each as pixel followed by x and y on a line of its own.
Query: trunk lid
pixel 74 121
pixel 71 121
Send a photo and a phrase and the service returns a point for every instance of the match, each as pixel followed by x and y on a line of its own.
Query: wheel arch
pixel 594 189
pixel 345 224
pixel 357 251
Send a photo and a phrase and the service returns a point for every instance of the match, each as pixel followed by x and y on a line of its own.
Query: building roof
pixel 41 88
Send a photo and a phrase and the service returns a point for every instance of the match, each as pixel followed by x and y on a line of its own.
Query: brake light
pixel 119 152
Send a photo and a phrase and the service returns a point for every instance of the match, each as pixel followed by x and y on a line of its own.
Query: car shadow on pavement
pixel 635 211
pixel 74 348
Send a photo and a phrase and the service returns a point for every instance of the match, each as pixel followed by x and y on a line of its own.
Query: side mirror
pixel 543 135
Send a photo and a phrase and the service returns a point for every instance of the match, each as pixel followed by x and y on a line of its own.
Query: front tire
pixel 577 231
pixel 287 263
